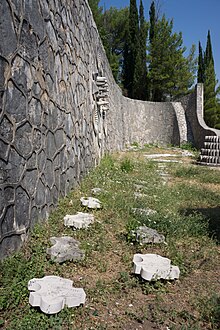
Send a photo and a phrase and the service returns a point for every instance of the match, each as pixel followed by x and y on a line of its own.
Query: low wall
pixel 53 126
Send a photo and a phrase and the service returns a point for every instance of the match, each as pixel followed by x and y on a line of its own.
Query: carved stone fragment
pixel 90 202
pixel 79 220
pixel 53 293
pixel 154 267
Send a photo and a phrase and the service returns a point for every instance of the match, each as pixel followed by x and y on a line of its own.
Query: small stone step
pixel 212 138
pixel 210 152
pixel 212 145
pixel 209 159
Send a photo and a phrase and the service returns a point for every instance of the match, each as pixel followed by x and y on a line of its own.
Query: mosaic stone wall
pixel 60 110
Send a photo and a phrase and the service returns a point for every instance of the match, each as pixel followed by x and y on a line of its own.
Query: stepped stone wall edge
pixel 53 129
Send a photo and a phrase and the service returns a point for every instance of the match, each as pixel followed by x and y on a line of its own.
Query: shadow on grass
pixel 213 217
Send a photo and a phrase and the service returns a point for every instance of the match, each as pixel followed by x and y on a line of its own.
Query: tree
pixel 211 107
pixel 130 49
pixel 115 23
pixel 201 66
pixel 152 14
pixel 140 83
pixel 169 71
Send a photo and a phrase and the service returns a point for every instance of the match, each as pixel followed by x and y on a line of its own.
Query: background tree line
pixel 148 59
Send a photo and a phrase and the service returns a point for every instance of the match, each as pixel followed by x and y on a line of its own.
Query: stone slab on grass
pixel 153 267
pixel 53 293
pixel 167 161
pixel 146 235
pixel 79 220
pixel 65 248
pixel 153 156
pixel 91 202
pixel 97 191
pixel 146 211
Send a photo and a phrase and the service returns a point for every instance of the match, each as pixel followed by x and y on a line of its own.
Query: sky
pixel 191 17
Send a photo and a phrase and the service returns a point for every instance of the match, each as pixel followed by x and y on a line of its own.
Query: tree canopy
pixel 148 66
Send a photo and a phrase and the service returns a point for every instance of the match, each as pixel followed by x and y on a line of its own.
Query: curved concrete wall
pixel 52 126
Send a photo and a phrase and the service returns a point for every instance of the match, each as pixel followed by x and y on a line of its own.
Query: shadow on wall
pixel 212 215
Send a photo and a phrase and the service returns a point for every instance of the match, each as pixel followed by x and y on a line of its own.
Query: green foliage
pixel 140 80
pixel 127 165
pixel 130 48
pixel 106 273
pixel 170 73
pixel 206 75
pixel 115 22
pixel 201 66
pixel 210 310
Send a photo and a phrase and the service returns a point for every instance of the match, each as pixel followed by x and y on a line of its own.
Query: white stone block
pixel 53 293
pixel 154 267
pixel 79 220
pixel 90 202
pixel 153 156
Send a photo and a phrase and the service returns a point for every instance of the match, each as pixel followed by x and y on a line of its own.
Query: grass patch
pixel 115 296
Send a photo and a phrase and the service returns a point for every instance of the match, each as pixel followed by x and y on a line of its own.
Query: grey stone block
pixel 146 235
pixel 65 248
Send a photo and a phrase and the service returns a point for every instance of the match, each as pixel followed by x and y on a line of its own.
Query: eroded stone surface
pixel 145 235
pixel 154 267
pixel 79 220
pixel 53 293
pixel 90 202
pixel 65 248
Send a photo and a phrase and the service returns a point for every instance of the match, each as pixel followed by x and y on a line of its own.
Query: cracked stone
pixel 154 267
pixel 90 202
pixel 79 220
pixel 65 248
pixel 146 235
pixel 53 293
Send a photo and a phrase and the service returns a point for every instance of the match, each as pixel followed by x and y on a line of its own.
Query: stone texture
pixel 61 110
pixel 79 220
pixel 53 293
pixel 146 235
pixel 154 267
pixel 90 202
pixel 65 248
pixel 154 156
pixel 141 211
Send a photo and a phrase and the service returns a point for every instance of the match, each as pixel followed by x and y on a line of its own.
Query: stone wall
pixel 56 118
